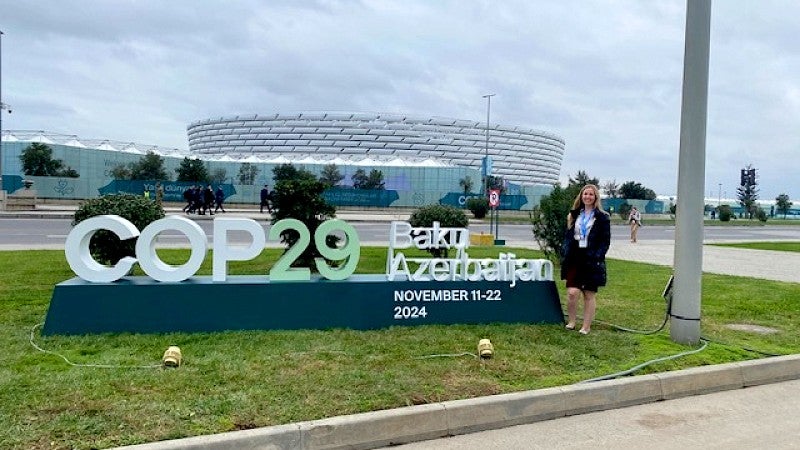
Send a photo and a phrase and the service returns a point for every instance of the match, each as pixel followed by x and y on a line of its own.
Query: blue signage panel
pixel 360 197
pixel 361 302
pixel 507 202
pixel 173 190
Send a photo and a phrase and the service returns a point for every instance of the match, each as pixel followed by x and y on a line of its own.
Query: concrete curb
pixel 418 423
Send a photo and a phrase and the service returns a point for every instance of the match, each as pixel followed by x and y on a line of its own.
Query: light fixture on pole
pixel 488 98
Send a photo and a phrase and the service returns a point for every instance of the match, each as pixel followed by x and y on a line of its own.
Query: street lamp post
pixel 2 108
pixel 719 200
pixel 488 98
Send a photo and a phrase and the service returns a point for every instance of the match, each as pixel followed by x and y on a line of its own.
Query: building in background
pixel 519 155
pixel 422 160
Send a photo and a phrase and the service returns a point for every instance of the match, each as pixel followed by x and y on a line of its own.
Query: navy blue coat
pixel 598 241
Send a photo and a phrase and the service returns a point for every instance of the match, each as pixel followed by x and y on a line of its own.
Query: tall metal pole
pixel 685 314
pixel 719 199
pixel 488 98
pixel 2 108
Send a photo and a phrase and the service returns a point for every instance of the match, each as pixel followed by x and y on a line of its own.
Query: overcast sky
pixel 604 75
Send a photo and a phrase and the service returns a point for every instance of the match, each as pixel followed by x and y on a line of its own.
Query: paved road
pixel 25 233
pixel 752 418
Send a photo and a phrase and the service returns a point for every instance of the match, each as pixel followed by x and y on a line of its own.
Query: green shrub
pixel 761 215
pixel 447 216
pixel 625 210
pixel 105 246
pixel 725 213
pixel 479 206
pixel 549 220
pixel 298 195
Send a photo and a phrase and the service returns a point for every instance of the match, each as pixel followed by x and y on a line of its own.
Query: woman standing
pixel 584 250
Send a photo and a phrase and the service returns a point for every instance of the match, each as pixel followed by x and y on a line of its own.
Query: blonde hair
pixel 578 203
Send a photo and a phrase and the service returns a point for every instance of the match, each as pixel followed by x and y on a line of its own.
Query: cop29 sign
pixel 413 291
pixel 81 262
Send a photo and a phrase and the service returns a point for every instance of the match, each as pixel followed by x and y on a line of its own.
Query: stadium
pixel 422 160
pixel 519 155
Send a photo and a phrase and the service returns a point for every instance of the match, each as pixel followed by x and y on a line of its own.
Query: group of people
pixel 201 201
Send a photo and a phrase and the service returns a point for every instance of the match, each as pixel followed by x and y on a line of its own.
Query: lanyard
pixel 583 222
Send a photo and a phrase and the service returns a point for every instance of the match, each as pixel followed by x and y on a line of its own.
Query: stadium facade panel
pixel 519 155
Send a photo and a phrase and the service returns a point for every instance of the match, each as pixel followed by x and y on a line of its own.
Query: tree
pixel 330 175
pixel 782 204
pixel 582 179
pixel 479 206
pixel 447 216
pixel 747 192
pixel 285 172
pixel 359 179
pixel 494 182
pixel 725 213
pixel 611 188
pixel 121 172
pixel 375 180
pixel 624 210
pixel 193 170
pixel 218 176
pixel 248 173
pixel 298 195
pixel 37 160
pixel 466 184
pixel 372 181
pixel 633 190
pixel 149 167
pixel 549 219
pixel 69 172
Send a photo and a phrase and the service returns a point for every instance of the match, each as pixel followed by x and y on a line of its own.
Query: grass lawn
pixel 240 380
pixel 775 246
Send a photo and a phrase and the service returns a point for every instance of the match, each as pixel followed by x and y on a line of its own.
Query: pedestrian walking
pixel 266 199
pixel 635 221
pixel 219 197
pixel 208 200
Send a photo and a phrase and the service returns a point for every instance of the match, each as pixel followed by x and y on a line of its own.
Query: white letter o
pixel 157 269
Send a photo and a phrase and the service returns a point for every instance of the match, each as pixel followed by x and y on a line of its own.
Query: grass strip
pixel 782 246
pixel 247 379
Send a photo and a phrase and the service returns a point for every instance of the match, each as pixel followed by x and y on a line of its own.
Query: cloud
pixel 604 75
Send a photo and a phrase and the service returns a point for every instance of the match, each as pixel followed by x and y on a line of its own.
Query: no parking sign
pixel 494 198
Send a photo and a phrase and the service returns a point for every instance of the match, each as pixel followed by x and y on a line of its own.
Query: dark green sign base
pixel 362 302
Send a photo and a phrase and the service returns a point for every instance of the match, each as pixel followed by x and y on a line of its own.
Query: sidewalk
pixel 763 264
